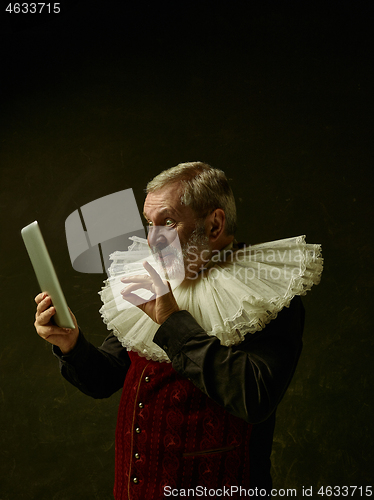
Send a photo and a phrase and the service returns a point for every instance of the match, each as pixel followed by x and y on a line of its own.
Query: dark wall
pixel 101 98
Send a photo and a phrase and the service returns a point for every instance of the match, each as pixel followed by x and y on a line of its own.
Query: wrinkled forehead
pixel 166 201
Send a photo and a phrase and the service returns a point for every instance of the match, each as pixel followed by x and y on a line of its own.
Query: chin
pixel 172 267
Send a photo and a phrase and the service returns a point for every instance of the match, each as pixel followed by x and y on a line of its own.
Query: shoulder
pixel 287 326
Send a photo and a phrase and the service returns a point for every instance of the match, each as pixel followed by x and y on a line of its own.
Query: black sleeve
pixel 96 371
pixel 249 379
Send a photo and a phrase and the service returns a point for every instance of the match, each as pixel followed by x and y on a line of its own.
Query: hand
pixel 161 305
pixel 64 338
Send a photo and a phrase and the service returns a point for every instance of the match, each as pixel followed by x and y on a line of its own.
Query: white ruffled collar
pixel 238 292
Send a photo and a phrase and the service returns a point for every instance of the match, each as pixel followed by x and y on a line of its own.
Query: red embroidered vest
pixel 170 435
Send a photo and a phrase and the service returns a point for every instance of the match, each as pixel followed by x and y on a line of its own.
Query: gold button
pixel 141 405
pixel 137 430
pixel 135 480
pixel 137 456
pixel 147 379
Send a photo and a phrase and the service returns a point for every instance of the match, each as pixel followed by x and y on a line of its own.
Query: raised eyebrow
pixel 165 212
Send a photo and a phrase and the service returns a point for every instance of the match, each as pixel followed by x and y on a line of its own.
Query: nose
pixel 160 236
pixel 155 236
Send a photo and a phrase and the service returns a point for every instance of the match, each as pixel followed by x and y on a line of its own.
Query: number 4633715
pixel 344 491
pixel 33 8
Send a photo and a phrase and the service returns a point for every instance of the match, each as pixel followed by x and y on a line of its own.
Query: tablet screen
pixel 46 274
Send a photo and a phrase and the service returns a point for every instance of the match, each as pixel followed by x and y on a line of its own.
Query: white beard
pixel 175 261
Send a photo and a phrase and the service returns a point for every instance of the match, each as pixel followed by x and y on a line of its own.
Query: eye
pixel 168 222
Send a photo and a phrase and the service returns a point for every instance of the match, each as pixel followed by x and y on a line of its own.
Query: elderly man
pixel 200 390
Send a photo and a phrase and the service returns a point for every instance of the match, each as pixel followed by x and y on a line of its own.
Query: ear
pixel 216 224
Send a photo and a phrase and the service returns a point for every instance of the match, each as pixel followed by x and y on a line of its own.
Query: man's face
pixel 168 218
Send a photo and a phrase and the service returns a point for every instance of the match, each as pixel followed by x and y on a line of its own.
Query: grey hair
pixel 204 189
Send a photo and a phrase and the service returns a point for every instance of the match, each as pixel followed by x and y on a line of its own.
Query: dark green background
pixel 101 98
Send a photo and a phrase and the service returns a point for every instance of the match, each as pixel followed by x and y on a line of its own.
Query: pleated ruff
pixel 239 292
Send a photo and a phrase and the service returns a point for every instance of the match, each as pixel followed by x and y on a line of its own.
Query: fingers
pixel 137 282
pixel 43 317
pixel 154 275
pixel 135 300
pixel 152 282
pixel 162 303
pixel 64 338
pixel 43 300
pixel 44 310
pixel 139 278
pixel 145 278
pixel 47 330
pixel 40 297
pixel 138 286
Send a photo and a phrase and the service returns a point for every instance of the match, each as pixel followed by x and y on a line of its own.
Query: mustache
pixel 160 252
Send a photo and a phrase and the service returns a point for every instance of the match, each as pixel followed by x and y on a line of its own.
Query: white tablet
pixel 46 273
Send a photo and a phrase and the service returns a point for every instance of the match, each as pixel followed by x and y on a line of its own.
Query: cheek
pixel 183 236
pixel 173 238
